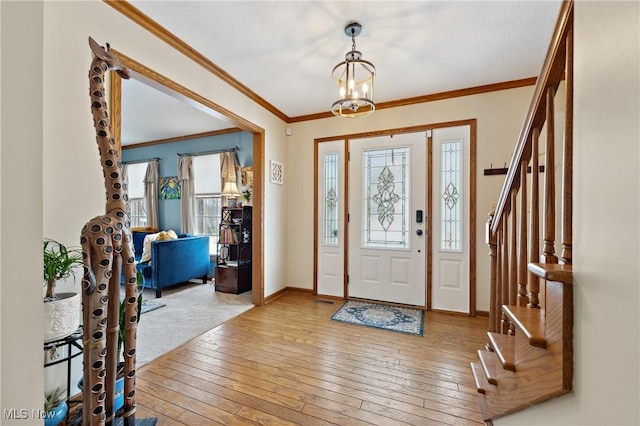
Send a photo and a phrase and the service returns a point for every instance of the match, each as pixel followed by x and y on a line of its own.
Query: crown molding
pixel 432 97
pixel 183 138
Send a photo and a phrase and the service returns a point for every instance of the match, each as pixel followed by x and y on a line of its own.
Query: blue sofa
pixel 172 261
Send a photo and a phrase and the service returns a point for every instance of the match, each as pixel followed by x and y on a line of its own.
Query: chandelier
pixel 354 77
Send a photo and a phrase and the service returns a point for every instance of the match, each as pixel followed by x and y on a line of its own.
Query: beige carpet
pixel 191 309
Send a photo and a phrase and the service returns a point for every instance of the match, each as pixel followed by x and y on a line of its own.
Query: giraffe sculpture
pixel 106 247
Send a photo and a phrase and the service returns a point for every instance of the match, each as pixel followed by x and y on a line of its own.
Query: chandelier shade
pixel 355 79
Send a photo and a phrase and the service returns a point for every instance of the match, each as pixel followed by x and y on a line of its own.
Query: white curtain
pixel 151 193
pixel 187 198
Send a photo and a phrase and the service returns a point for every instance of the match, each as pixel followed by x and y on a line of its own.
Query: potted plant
pixel 61 311
pixel 247 192
pixel 55 407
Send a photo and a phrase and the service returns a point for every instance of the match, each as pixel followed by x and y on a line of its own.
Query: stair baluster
pixel 534 240
pixel 523 299
pixel 549 213
pixel 505 273
pixel 493 254
pixel 513 263
pixel 498 317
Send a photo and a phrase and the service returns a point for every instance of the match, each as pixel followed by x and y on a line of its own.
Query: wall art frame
pixel 276 172
pixel 169 188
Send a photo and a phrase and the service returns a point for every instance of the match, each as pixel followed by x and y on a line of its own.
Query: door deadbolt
pixel 419 232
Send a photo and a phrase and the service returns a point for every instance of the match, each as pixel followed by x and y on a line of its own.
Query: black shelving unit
pixel 233 267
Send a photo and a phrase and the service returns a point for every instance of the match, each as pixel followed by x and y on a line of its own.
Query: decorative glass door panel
pixel 331 200
pixel 386 198
pixel 451 212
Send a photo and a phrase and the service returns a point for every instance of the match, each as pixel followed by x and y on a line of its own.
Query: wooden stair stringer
pixel 518 393
pixel 542 373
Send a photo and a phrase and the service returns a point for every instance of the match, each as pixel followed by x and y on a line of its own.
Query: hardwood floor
pixel 287 363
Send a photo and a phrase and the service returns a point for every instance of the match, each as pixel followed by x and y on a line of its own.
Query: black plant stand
pixel 74 349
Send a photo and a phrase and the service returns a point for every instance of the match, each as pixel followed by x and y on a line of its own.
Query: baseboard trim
pixel 329 297
pixel 482 314
pixel 282 291
pixel 275 295
pixel 443 311
pixel 300 289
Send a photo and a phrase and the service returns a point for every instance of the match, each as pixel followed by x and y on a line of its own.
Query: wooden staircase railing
pixel 529 356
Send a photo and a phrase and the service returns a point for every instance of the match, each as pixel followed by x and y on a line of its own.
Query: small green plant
pixel 53 399
pixel 59 262
pixel 248 192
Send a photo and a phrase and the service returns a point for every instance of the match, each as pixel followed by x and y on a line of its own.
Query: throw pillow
pixel 167 235
pixel 163 236
pixel 146 246
pixel 158 236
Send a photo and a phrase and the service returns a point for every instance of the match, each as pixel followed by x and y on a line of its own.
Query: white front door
pixel 387 238
pixel 451 200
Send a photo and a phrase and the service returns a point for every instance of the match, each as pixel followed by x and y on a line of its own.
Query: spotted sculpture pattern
pixel 107 247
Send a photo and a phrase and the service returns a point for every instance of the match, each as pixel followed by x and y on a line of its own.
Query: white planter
pixel 61 317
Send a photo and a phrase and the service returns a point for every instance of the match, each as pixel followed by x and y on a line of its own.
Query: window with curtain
pixel 135 190
pixel 207 187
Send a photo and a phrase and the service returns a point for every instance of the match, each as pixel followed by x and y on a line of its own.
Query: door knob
pixel 419 232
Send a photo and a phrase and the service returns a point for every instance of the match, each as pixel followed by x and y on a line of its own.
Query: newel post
pixel 493 250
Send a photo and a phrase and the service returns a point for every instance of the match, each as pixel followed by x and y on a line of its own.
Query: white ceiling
pixel 284 51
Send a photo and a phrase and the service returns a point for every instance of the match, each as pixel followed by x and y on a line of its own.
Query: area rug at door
pixel 394 318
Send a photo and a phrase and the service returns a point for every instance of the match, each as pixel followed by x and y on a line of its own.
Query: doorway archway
pixel 169 87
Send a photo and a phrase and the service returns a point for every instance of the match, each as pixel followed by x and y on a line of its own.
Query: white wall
pixel 500 116
pixel 21 211
pixel 606 223
pixel 70 189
